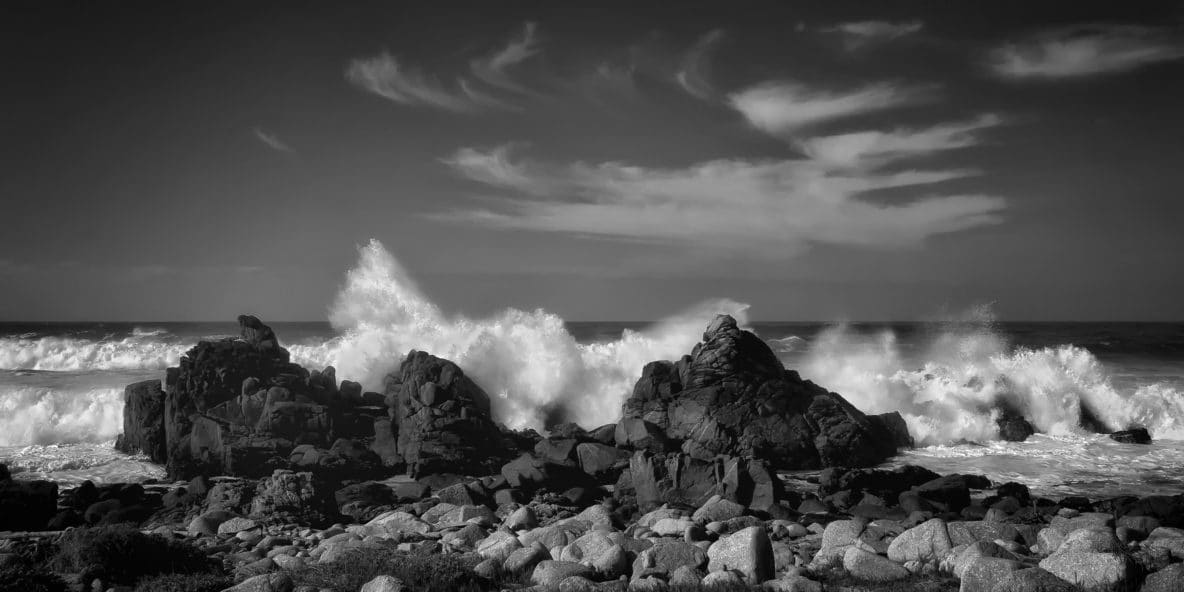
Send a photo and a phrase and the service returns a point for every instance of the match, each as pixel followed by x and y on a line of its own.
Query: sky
pixel 601 160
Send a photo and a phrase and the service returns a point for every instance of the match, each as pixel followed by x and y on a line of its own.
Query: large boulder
pixel 656 479
pixel 143 421
pixel 1132 436
pixel 443 418
pixel 292 497
pixel 732 396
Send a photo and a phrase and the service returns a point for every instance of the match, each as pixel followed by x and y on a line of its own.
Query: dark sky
pixel 821 161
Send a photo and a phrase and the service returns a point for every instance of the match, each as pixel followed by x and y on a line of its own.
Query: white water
pixel 967 371
pixel 143 350
pixel 530 364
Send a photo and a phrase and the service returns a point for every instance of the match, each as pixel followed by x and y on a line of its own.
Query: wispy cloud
pixel 763 208
pixel 875 148
pixel 272 141
pixel 860 34
pixel 782 108
pixel 1086 50
pixel 695 73
pixel 494 69
pixel 386 76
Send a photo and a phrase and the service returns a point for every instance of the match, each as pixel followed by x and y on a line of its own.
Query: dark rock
pixel 1132 436
pixel 568 430
pixel 363 501
pixel 605 434
pixel 254 332
pixel 143 421
pixel 950 493
pixel 82 496
pixel 637 434
pixel 557 450
pixel 893 423
pixel 683 480
pixel 885 484
pixel 288 497
pixel 1089 420
pixel 461 494
pixel 530 472
pixel 1019 491
pixel 443 418
pixel 95 513
pixel 4 474
pixel 1012 426
pixel 27 505
pixel 601 461
pixel 733 396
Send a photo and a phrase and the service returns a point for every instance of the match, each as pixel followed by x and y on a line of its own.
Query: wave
pixel 142 351
pixel 40 415
pixel 970 373
pixel 535 371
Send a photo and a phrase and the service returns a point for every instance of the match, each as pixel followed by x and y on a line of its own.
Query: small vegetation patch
pixel 200 582
pixel 419 572
pixel 124 555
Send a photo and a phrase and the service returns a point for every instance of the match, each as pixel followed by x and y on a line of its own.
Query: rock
pixel 869 566
pixel 1088 570
pixel 550 572
pixel 732 396
pixel 637 434
pixel 383 584
pixel 718 509
pixel 893 423
pixel 272 582
pixel 981 574
pixel 601 461
pixel 723 579
pixel 143 421
pixel 748 552
pixel 521 519
pixel 254 332
pixel 666 556
pixel 393 523
pixel 927 543
pixel 669 527
pixel 27 505
pixel 208 523
pixel 1168 579
pixel 293 498
pixel 836 539
pixel 950 492
pixel 526 558
pixel 792 583
pixel 1132 436
pixel 1032 579
pixel 443 418
pixel 498 546
pixel 236 525
pixel 1012 426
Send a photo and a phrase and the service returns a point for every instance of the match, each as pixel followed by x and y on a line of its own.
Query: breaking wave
pixel 40 415
pixel 534 369
pixel 143 350
pixel 970 373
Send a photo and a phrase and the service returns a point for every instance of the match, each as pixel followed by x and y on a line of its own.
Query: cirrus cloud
pixel 783 107
pixel 1085 50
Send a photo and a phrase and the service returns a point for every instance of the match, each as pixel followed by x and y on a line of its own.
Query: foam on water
pixel 533 367
pixel 53 415
pixel 143 349
pixel 75 463
pixel 969 372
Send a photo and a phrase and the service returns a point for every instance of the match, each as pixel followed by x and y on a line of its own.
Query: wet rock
pixel 143 421
pixel 1132 436
pixel 732 396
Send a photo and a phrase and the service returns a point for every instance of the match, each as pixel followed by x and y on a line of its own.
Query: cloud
pixel 781 108
pixel 272 141
pixel 860 34
pixel 877 147
pixel 387 77
pixel 695 74
pixel 384 76
pixel 1086 50
pixel 494 68
pixel 768 208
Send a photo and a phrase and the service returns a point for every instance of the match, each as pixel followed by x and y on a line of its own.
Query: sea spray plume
pixel 44 415
pixel 969 371
pixel 534 369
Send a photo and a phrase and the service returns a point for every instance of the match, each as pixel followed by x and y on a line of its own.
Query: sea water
pixel 61 384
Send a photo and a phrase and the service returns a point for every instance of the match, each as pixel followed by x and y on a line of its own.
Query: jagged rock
pixel 254 332
pixel 601 461
pixel 732 396
pixel 143 421
pixel 443 418
pixel 893 423
pixel 885 484
pixel 1132 436
pixel 1012 426
pixel 27 505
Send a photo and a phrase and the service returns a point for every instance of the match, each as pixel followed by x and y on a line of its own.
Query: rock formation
pixel 732 395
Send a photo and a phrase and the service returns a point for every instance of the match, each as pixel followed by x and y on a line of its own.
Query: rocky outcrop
pixel 442 418
pixel 143 421
pixel 1132 436
pixel 733 396
pixel 240 407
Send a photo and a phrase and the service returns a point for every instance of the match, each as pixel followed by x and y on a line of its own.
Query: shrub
pixel 201 582
pixel 24 578
pixel 419 572
pixel 121 554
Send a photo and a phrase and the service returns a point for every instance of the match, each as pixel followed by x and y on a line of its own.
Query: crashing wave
pixel 42 415
pixel 141 351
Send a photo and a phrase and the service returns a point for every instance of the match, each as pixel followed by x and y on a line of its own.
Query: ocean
pixel 61 384
pixel 61 391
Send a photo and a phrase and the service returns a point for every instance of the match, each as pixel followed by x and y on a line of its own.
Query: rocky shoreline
pixel 285 479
